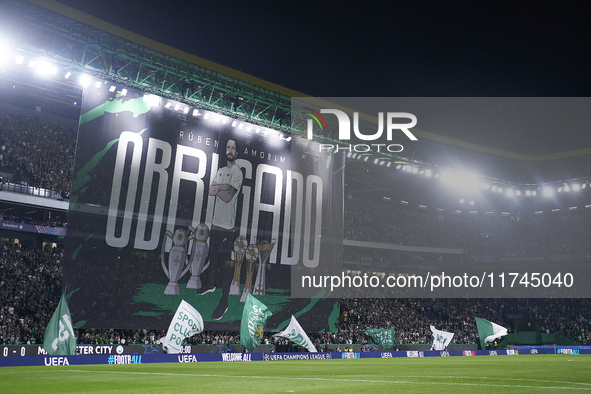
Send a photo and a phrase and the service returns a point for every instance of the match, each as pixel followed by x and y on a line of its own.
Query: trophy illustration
pixel 252 254
pixel 199 253
pixel 177 259
pixel 240 245
pixel 265 249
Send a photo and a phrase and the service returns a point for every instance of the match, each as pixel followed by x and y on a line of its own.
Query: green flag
pixel 384 337
pixel 254 318
pixel 488 331
pixel 59 339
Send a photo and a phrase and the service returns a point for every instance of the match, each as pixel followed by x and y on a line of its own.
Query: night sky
pixel 423 49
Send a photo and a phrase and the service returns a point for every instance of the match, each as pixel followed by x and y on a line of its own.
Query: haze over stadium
pixel 496 184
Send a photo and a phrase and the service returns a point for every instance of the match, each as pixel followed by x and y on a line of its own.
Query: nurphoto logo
pixel 344 130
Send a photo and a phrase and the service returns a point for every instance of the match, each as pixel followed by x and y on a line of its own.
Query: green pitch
pixel 506 374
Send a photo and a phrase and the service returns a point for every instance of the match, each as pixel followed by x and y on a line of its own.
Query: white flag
pixel 185 323
pixel 441 338
pixel 296 334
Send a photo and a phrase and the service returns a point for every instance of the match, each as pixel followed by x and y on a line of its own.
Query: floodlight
pixel 68 75
pixel 152 99
pixel 4 51
pixel 84 80
pixel 46 68
pixel 547 191
pixel 461 181
pixel 19 59
pixel 576 187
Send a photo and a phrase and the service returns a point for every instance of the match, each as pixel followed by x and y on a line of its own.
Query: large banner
pixel 172 202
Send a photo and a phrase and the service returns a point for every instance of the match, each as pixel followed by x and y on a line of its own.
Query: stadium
pixel 117 152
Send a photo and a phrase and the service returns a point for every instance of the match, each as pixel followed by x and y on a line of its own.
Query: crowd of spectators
pixel 545 235
pixel 37 152
pixel 30 284
pixel 30 281
pixel 33 220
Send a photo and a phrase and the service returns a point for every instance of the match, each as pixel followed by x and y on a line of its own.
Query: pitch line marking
pixel 354 380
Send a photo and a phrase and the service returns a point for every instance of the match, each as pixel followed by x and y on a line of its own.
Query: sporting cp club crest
pixel 256 323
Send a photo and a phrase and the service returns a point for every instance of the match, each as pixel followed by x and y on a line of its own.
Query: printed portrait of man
pixel 225 187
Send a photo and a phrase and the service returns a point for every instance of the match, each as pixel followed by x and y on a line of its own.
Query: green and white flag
pixel 297 335
pixel 187 321
pixel 254 318
pixel 441 338
pixel 488 331
pixel 59 339
pixel 384 337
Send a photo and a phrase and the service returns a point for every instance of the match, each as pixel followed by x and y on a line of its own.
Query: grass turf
pixel 507 374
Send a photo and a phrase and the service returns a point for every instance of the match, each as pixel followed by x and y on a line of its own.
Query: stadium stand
pixel 40 153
